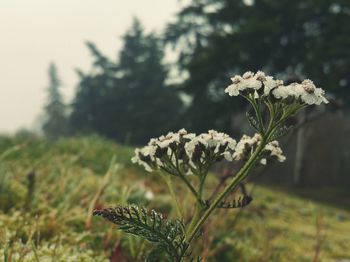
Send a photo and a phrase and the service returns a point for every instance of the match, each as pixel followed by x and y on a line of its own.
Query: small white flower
pixel 136 159
pixel 149 195
pixel 210 145
pixel 165 141
pixel 260 75
pixel 245 146
pixel 274 149
pixel 307 92
pixel 234 89
pixel 253 83
pixel 150 156
pixel 248 74
pixel 270 84
pixel 182 132
pixel 256 95
pixel 228 156
pixel 310 94
pixel 283 92
pixel 263 161
pixel 145 156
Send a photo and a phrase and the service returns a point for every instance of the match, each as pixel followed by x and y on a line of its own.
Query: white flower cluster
pixel 251 82
pixel 306 92
pixel 273 149
pixel 212 146
pixel 170 147
pixel 260 84
pixel 184 151
pixel 246 146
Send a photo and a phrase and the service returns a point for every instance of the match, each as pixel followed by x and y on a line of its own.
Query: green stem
pixel 173 196
pixel 199 206
pixel 258 115
pixel 271 112
pixel 189 185
pixel 242 174
pixel 194 218
pixel 177 172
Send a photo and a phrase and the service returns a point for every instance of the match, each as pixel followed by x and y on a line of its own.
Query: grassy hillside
pixel 48 190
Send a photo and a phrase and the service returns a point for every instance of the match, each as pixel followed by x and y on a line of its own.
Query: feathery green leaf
pixel 167 234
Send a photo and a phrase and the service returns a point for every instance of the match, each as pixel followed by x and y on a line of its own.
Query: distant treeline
pixel 131 99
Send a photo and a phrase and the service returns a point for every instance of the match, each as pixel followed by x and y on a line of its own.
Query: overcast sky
pixel 35 32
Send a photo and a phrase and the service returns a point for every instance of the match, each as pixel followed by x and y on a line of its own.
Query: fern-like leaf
pixel 282 131
pixel 167 234
pixel 252 121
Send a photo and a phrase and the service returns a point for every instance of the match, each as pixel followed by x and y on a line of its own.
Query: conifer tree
pixel 55 124
pixel 220 38
pixel 127 99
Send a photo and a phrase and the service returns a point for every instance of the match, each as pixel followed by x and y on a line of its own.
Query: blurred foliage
pixel 48 189
pixel 127 99
pixel 291 39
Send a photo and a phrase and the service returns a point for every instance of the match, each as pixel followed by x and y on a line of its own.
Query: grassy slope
pixel 53 218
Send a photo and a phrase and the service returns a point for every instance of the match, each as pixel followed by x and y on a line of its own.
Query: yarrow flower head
pixel 145 157
pixel 247 145
pixel 304 93
pixel 273 150
pixel 261 85
pixel 185 152
pixel 164 152
pixel 251 83
pixel 210 147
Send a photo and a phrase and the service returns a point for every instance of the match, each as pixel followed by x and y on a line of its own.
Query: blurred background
pixel 84 82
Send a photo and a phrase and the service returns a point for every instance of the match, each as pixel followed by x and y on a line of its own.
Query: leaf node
pixel 240 202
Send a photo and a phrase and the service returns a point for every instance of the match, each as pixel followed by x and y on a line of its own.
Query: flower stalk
pixel 182 154
pixel 240 176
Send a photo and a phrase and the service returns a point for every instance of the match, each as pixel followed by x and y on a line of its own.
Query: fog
pixel 34 33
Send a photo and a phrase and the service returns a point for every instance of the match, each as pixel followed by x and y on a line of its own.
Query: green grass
pixel 48 217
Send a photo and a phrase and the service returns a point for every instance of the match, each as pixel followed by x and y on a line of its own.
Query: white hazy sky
pixel 35 32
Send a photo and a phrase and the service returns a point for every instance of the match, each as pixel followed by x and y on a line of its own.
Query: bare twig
pixel 319 237
pixel 31 178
